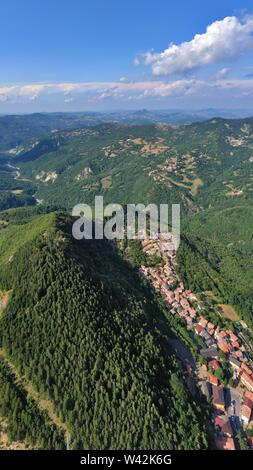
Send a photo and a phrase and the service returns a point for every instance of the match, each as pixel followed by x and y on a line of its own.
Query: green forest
pixel 79 324
pixel 85 306
pixel 216 253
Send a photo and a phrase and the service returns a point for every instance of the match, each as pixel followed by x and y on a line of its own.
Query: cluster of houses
pixel 225 428
pixel 169 167
pixel 184 303
pixel 224 434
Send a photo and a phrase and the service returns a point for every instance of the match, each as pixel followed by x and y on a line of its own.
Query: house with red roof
pixel 203 322
pixel 184 303
pixel 218 398
pixel 214 364
pixel 223 345
pixel 233 337
pixel 238 354
pixel 223 334
pixel 218 421
pixel 213 380
pixel 247 381
pixel 226 427
pixel 192 311
pixel 249 395
pixel 198 329
pixel 245 368
pixel 246 411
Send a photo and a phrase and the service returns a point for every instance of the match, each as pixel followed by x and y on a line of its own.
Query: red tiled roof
pixel 246 368
pixel 233 337
pixel 198 329
pixel 227 428
pixel 218 421
pixel 247 381
pixel 203 322
pixel 223 334
pixel 218 396
pixel 223 345
pixel 213 380
pixel 246 412
pixel 249 395
pixel 214 364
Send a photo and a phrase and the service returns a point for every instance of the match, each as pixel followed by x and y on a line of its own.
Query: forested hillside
pixel 216 254
pixel 81 327
pixel 18 129
pixel 206 167
pixel 198 165
pixel 25 419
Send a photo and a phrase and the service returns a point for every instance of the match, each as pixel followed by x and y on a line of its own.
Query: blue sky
pixel 102 55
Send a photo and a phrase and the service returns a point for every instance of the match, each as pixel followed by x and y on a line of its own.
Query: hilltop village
pixel 232 403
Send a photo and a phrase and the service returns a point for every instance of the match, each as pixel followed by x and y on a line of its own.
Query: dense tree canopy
pixel 85 337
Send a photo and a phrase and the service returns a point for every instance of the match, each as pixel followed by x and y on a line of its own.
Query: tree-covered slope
pixel 26 421
pixel 198 165
pixel 206 167
pixel 216 254
pixel 81 327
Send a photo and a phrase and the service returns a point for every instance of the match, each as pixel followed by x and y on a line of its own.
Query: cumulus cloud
pixel 224 40
pixel 135 90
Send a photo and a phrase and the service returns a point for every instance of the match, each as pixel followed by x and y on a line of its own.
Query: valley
pixel 81 303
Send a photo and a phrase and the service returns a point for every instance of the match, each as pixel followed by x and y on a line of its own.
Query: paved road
pixel 233 402
pixel 247 343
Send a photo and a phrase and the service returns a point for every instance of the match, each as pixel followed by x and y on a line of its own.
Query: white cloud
pixel 123 90
pixel 68 100
pixel 222 73
pixel 224 40
pixel 124 80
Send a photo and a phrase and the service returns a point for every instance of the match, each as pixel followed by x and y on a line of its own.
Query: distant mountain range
pixel 17 129
pixel 206 167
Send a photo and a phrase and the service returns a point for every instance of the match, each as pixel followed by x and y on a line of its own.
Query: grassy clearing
pixel 4 299
pixel 15 236
pixel 6 443
pixel 106 182
pixel 17 191
pixel 227 311
pixel 196 184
